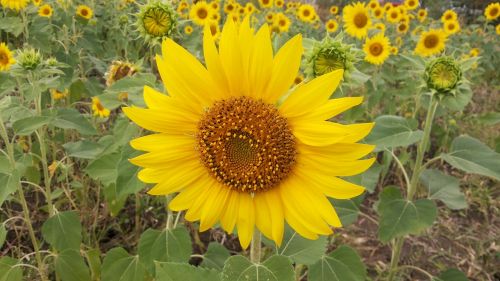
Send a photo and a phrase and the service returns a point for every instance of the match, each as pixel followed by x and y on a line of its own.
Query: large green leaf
pixel 369 178
pixel 103 168
pixel 393 131
pixel 173 245
pixel 471 155
pixel 126 180
pixel 399 217
pixel 216 256
pixel 275 268
pixel 68 118
pixel 8 184
pixel 28 125
pixel 118 265
pixel 443 187
pixel 343 264
pixel 12 25
pixel 3 234
pixel 172 271
pixel 83 149
pixel 70 266
pixel 63 231
pixel 8 271
pixel 451 274
pixel 347 209
pixel 301 250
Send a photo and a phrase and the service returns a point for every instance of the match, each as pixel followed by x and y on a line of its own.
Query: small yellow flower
pixel 331 26
pixel 411 4
pixel 380 26
pixel 279 3
pixel 373 4
pixel 200 13
pixel 52 168
pixel 270 17
pixel 188 29
pixel 334 10
pixel 266 3
pixel 449 15
pixel 6 58
pixel 377 49
pixel 492 11
pixel 250 8
pixel 229 7
pixel 378 12
pixel 98 108
pixel 393 15
pixel 58 95
pixel 37 2
pixel 214 28
pixel 123 96
pixel 497 29
pixel 45 11
pixel 16 5
pixel 451 27
pixel 403 27
pixel 431 42
pixel 422 15
pixel 474 52
pixel 388 6
pixel 394 50
pixel 306 13
pixel 298 79
pixel 214 5
pixel 84 11
pixel 282 22
pixel 119 70
pixel 356 20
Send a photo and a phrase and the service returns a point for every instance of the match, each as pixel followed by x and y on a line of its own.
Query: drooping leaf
pixel 393 131
pixel 472 156
pixel 70 266
pixel 172 271
pixel 301 250
pixel 118 265
pixel 8 184
pixel 63 231
pixel 8 270
pixel 275 268
pixel 28 125
pixel 443 187
pixel 83 149
pixel 343 264
pixel 215 256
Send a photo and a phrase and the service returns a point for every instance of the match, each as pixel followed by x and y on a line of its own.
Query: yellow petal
pixel 187 196
pixel 263 218
pixel 230 214
pixel 230 56
pixel 318 133
pixel 333 107
pixel 344 151
pixel 214 205
pixel 335 167
pixel 273 200
pixel 164 159
pixel 246 45
pixel 160 121
pixel 213 62
pixel 261 63
pixel 311 95
pixel 286 65
pixel 194 212
pixel 162 142
pixel 246 219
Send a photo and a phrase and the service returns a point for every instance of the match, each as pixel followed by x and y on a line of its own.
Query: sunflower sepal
pixel 156 11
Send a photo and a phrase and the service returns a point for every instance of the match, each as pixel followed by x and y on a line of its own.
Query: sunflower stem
pixel 170 214
pixel 413 185
pixel 255 247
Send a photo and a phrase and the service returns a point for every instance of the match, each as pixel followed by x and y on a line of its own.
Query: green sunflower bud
pixel 329 55
pixel 29 58
pixel 443 75
pixel 156 20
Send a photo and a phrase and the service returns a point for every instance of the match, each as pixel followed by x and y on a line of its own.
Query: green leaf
pixel 12 25
pixel 126 180
pixel 3 234
pixel 7 270
pixel 393 131
pixel 215 257
pixel 83 149
pixel 490 118
pixel 94 261
pixel 347 209
pixel 70 266
pixel 118 265
pixel 301 250
pixel 115 203
pixel 63 231
pixel 173 245
pixel 68 118
pixel 399 217
pixel 8 184
pixel 103 168
pixel 275 268
pixel 472 156
pixel 369 178
pixel 451 274
pixel 343 264
pixel 445 188
pixel 28 125
pixel 172 271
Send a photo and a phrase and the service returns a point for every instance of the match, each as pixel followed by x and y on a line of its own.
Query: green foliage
pixel 445 188
pixel 215 257
pixel 275 268
pixel 343 264
pixel 393 131
pixel 9 271
pixel 118 265
pixel 63 231
pixel 301 250
pixel 171 271
pixel 70 266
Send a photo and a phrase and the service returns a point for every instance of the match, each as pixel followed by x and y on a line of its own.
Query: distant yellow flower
pixel 356 20
pixel 157 20
pixel 411 4
pixel 398 41
pixel 298 79
pixel 334 10
pixel 331 26
pixel 6 58
pixel 188 29
pixel 431 42
pixel 403 27
pixel 377 49
pixel 393 15
pixel 16 5
pixel 451 27
pixel 394 50
pixel 229 7
pixel 449 15
pixel 282 22
pixel 422 15
pixel 388 6
pixel 214 5
pixel 270 17
pixel 380 26
pixel 119 70
pixel 200 13
pixel 474 52
pixel 306 13
pixel 123 96
pixel 52 168
pixel 214 28
pixel 279 3
pixel 84 11
pixel 98 108
pixel 373 4
pixel 250 8
pixel 497 29
pixel 492 11
pixel 266 3
pixel 45 11
pixel 378 12
pixel 37 2
pixel 58 95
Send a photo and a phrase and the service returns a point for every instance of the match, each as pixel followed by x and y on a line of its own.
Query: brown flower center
pixel 494 12
pixel 202 13
pixel 4 59
pixel 376 49
pixel 84 12
pixel 246 144
pixel 360 20
pixel 431 41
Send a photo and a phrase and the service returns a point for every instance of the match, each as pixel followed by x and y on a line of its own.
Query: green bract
pixel 156 20
pixel 443 75
pixel 29 58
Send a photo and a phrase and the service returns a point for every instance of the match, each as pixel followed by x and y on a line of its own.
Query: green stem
pixel 24 204
pixel 255 247
pixel 412 188
pixel 170 214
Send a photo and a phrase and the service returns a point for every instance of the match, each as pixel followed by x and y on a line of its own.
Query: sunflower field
pixel 237 140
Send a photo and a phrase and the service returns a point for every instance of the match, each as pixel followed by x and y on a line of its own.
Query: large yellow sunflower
pixel 356 20
pixel 16 5
pixel 377 49
pixel 431 42
pixel 200 13
pixel 492 11
pixel 6 58
pixel 234 153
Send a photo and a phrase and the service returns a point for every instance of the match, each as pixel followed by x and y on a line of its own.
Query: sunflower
pixel 250 8
pixel 235 156
pixel 214 5
pixel 449 15
pixel 451 27
pixel 200 13
pixel 497 29
pixel 282 22
pixel 298 79
pixel 306 13
pixel 380 26
pixel 98 108
pixel 377 49
pixel 188 29
pixel 334 10
pixel 492 11
pixel 411 4
pixel 270 17
pixel 37 2
pixel 331 26
pixel 431 42
pixel 394 50
pixel 378 12
pixel 157 20
pixel 84 11
pixel 213 27
pixel 403 27
pixel 6 58
pixel 422 15
pixel 279 3
pixel 58 95
pixel 45 11
pixel 119 70
pixel 393 15
pixel 16 5
pixel 356 20
pixel 229 7
pixel 373 4
pixel 474 52
pixel 443 75
pixel 388 6
pixel 266 3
